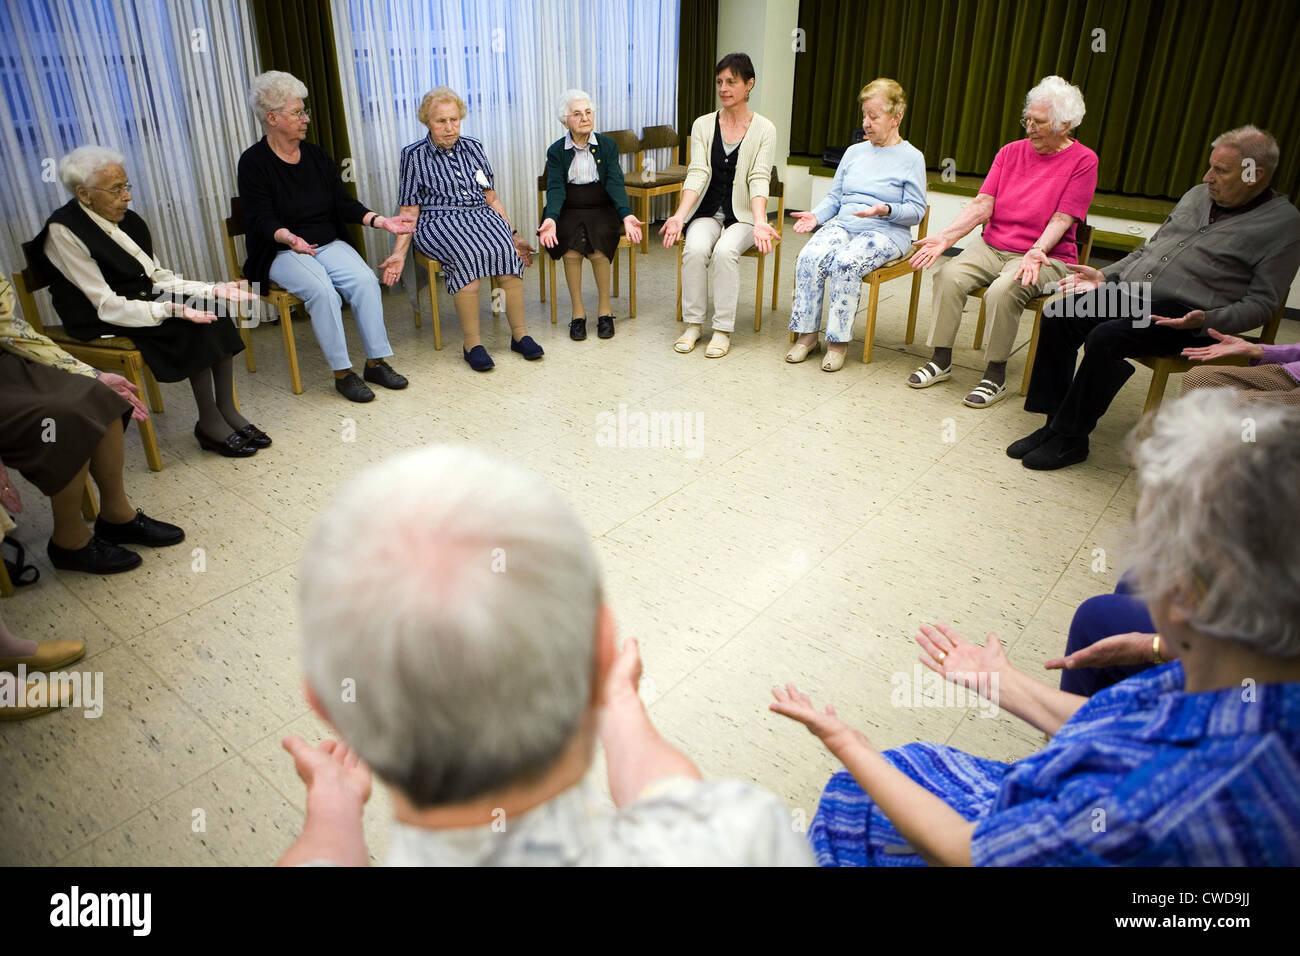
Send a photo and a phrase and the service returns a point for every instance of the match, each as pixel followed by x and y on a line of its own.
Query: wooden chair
pixel 775 190
pixel 894 269
pixel 89 511
pixel 1162 366
pixel 109 353
pixel 280 299
pixel 642 185
pixel 548 265
pixel 1083 239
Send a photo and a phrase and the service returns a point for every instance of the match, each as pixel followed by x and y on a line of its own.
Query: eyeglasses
pixel 296 114
pixel 115 191
pixel 1030 123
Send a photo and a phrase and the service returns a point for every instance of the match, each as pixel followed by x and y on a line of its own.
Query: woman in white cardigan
pixel 725 196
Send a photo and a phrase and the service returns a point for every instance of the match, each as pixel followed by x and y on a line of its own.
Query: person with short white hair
pixel 1222 263
pixel 455 634
pixel 98 257
pixel 587 209
pixel 1031 203
pixel 296 217
pixel 1194 762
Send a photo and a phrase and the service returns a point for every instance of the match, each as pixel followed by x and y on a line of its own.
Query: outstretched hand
pixel 825 725
pixel 957 660
pixel 1225 346
pixel 1118 650
pixel 331 768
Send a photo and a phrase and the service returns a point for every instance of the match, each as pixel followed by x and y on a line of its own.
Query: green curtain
pixel 1172 75
pixel 696 54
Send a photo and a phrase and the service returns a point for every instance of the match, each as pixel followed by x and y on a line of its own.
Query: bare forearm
pixel 973 215
pixel 333 832
pixel 935 830
pixel 1042 707
pixel 758 206
pixel 403 242
pixel 1055 229
pixel 635 754
pixel 688 201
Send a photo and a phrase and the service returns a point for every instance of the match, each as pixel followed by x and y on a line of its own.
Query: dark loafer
pixel 605 326
pixel 382 373
pixel 1021 448
pixel 577 329
pixel 139 530
pixel 353 389
pixel 97 557
pixel 478 359
pixel 255 436
pixel 1057 452
pixel 527 348
pixel 235 445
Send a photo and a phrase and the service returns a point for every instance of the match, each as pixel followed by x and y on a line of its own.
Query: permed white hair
pixel 459 595
pixel 1065 109
pixel 271 90
pixel 1253 143
pixel 566 100
pixel 1217 519
pixel 80 165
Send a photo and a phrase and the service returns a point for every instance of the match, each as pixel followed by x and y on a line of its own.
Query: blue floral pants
pixel 838 258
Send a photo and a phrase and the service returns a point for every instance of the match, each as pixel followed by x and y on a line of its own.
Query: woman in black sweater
pixel 296 211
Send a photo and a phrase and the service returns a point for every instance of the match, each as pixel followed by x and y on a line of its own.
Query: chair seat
pixel 57 334
pixel 671 176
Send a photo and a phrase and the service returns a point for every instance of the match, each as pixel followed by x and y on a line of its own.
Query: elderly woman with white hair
pixel 587 209
pixel 447 189
pixel 1036 193
pixel 1195 762
pixel 105 280
pixel 296 214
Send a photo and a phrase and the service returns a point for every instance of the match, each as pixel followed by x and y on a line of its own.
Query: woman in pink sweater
pixel 1273 375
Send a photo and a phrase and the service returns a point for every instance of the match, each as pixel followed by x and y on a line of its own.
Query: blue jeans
pixel 314 279
pixel 1099 617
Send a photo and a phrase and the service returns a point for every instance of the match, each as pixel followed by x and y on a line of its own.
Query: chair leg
pixel 550 265
pixel 776 272
pixel 758 297
pixel 6 586
pixel 290 350
pixel 645 218
pixel 913 306
pixel 979 328
pixel 246 334
pixel 492 299
pixel 155 393
pixel 541 278
pixel 869 333
pixel 631 280
pixel 679 282
pixel 136 373
pixel 613 265
pixel 1033 350
pixel 1156 393
pixel 89 506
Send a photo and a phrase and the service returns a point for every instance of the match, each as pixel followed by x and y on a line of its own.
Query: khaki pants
pixel 710 247
pixel 979 265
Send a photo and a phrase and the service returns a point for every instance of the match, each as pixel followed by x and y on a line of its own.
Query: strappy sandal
pixel 686 341
pixel 930 374
pixel 719 345
pixel 984 394
pixel 20 572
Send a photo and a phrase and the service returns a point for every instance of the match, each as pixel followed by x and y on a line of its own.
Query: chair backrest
pixel 777 188
pixel 629 144
pixel 234 228
pixel 28 282
pixel 660 137
pixel 924 228
pixel 1083 239
pixel 541 195
pixel 1269 334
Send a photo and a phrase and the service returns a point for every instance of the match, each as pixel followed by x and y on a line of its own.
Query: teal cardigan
pixel 609 174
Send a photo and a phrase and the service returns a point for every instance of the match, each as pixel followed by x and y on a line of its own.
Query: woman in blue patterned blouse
pixel 1191 763
pixel 447 184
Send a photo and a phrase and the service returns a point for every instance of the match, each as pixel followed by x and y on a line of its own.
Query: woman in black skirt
pixel 105 280
pixel 586 209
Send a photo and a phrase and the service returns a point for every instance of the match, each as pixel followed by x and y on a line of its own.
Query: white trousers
pixel 709 247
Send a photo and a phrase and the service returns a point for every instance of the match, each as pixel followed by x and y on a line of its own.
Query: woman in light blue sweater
pixel 877 196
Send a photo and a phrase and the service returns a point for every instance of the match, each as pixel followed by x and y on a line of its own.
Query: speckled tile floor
pixel 783 542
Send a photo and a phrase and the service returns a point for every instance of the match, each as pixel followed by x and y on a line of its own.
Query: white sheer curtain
pixel 162 81
pixel 510 60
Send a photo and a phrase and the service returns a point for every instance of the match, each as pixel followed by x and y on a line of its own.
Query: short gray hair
pixel 461 595
pixel 80 165
pixel 1065 109
pixel 1253 143
pixel 1217 519
pixel 271 90
pixel 568 98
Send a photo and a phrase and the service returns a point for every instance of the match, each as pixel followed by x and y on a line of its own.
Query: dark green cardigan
pixel 608 170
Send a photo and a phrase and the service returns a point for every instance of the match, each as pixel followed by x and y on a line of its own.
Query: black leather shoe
pixel 139 530
pixel 353 389
pixel 235 445
pixel 382 374
pixel 1057 452
pixel 255 436
pixel 478 359
pixel 527 348
pixel 578 329
pixel 1022 447
pixel 605 326
pixel 97 557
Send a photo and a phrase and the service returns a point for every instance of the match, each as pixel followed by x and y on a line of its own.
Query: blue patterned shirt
pixel 1146 774
pixel 442 179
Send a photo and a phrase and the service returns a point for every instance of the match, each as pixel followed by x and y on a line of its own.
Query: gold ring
pixel 943 655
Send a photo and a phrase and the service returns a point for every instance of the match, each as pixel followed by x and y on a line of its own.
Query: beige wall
pixel 764 29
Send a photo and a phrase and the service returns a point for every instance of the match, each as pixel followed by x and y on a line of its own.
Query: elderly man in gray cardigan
pixel 1222 261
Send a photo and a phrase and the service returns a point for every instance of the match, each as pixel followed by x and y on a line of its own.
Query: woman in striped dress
pixel 447 184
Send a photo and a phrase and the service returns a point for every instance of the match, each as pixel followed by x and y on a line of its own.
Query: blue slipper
pixel 478 359
pixel 527 348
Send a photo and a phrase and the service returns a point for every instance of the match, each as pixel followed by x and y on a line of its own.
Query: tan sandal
pixel 686 341
pixel 799 352
pixel 834 360
pixel 719 345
